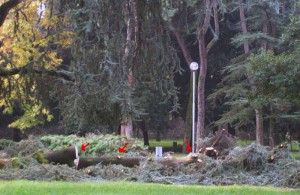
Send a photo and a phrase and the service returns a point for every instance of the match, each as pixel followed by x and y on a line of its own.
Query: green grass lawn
pixel 165 142
pixel 124 188
pixel 243 143
pixel 296 155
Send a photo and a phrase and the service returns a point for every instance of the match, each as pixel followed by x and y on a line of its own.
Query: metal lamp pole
pixel 194 67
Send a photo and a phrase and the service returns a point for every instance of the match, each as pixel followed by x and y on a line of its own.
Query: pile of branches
pixel 251 165
pixel 221 140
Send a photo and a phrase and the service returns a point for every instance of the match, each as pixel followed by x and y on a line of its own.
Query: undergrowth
pixel 98 144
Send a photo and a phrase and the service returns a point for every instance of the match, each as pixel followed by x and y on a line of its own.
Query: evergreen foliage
pixel 98 144
pixel 266 80
pixel 98 95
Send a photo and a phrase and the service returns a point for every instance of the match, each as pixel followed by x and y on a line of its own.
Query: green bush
pixel 98 144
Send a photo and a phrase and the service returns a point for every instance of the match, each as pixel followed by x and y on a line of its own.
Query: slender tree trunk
pixel 16 135
pixel 211 7
pixel 203 50
pixel 244 25
pixel 145 133
pixel 258 117
pixel 264 42
pixel 126 123
pixel 259 127
pixel 188 118
pixel 188 60
pixel 201 87
pixel 181 43
pixel 272 132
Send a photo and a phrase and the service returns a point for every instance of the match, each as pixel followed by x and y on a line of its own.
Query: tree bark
pixel 265 42
pixel 201 88
pixel 203 50
pixel 244 25
pixel 259 127
pixel 271 132
pixel 126 124
pixel 83 162
pixel 145 133
pixel 181 43
pixel 65 156
pixel 5 8
pixel 203 71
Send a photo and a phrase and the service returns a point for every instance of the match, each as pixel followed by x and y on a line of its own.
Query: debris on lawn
pixel 221 140
pixel 252 165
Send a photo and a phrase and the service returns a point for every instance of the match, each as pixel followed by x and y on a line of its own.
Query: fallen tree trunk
pixel 65 156
pixel 70 157
pixel 82 162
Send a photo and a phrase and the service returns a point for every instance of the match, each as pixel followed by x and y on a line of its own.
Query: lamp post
pixel 194 67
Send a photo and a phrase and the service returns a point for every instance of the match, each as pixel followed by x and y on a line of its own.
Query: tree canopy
pixel 113 63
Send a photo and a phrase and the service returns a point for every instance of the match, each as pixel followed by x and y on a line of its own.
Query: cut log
pixel 191 158
pixel 172 162
pixel 65 156
pixel 82 162
pixel 209 151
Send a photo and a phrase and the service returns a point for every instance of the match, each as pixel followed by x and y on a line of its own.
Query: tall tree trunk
pixel 244 25
pixel 126 123
pixel 188 117
pixel 211 7
pixel 265 42
pixel 181 43
pixel 203 50
pixel 258 117
pixel 271 132
pixel 188 60
pixel 145 133
pixel 259 127
pixel 201 87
